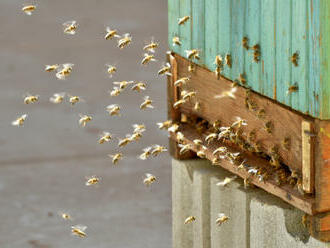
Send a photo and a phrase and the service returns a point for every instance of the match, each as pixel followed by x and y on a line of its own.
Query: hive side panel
pixel 198 28
pixel 211 32
pixel 185 30
pixel 173 27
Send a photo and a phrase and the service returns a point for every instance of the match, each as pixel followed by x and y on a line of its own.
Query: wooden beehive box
pixel 293 125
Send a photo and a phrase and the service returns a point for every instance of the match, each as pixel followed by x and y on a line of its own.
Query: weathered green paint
pixel 281 27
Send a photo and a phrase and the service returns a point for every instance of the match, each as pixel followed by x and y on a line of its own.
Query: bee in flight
pixel 183 20
pixel 178 103
pixel 57 98
pixel 139 86
pixel 176 41
pixel 239 122
pixel 181 81
pixel 151 46
pixel 164 125
pixel 123 84
pixel 113 109
pixel 222 218
pixel 110 34
pixel 70 27
pixel 28 9
pixel 165 70
pixel 124 41
pixel 19 121
pixel 105 137
pixel 193 54
pixel 226 181
pixel 185 148
pixel 75 99
pixel 147 58
pixel 30 98
pixel 93 180
pixel 147 103
pixel 79 230
pixel 50 68
pixel 64 71
pixel 65 216
pixel 189 220
pixel 111 69
pixel 84 119
pixel 138 128
pixel 173 128
pixel 146 153
pixel 115 91
pixel 149 179
pixel 157 149
pixel 116 157
pixel 125 141
pixel 229 93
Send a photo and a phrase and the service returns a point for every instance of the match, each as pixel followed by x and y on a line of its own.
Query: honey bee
pixel 93 180
pixel 228 60
pixel 197 106
pixel 74 99
pixel 115 91
pixel 221 149
pixel 147 58
pixel 70 27
pixel 28 9
pixel 183 20
pixel 139 86
pixel 173 128
pixel 242 79
pixel 116 157
pixel 176 41
pixel 181 81
pixel 269 127
pixel 165 70
pixel 84 119
pixel 125 141
pixel 157 149
pixel 20 120
pixel 216 161
pixel 178 103
pixel 239 122
pixel 292 88
pixel 191 67
pixel 105 137
pixel 149 179
pixel 216 125
pixel 64 71
pixel 247 183
pixel 261 114
pixel 136 136
pixel 79 230
pixel 113 109
pixel 201 153
pixel 189 95
pixel 256 53
pixel 190 219
pixel 252 136
pixel 138 128
pixel 179 137
pixel 124 41
pixel 65 216
pixel 147 103
pixel 193 54
pixel 222 218
pixel 50 68
pixel 184 148
pixel 256 47
pixel 286 143
pixel 198 142
pixel 146 153
pixel 242 165
pixel 230 93
pixel 245 42
pixel 150 47
pixel 110 34
pixel 218 61
pixel 111 69
pixel 217 72
pixel 30 98
pixel 211 137
pixel 123 84
pixel 294 58
pixel 165 124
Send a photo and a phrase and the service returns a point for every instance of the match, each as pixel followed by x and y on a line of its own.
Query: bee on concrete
pixel 181 81
pixel 176 41
pixel 165 124
pixel 157 149
pixel 229 93
pixel 65 216
pixel 149 179
pixel 147 58
pixel 84 119
pixel 228 60
pixel 123 84
pixel 286 143
pixel 242 79
pixel 226 181
pixel 50 68
pixel 115 91
pixel 184 148
pixel 139 86
pixel 193 54
pixel 191 67
pixel 261 114
pixel 64 71
pixel 75 99
pixel 138 128
pixel 190 219
pixel 180 137
pixel 93 180
pixel 110 34
pixel 294 58
pixel 173 128
pixel 221 149
pixel 150 47
pixel 79 230
pixel 211 137
pixel 178 103
pixel 30 98
pixel 124 41
pixel 269 127
pixel 239 122
pixel 116 157
pixel 197 106
pixel 292 88
pixel 70 27
pixel 165 70
pixel 245 42
pixel 113 109
pixel 146 153
pixel 222 218
pixel 105 137
pixel 183 20
pixel 19 121
pixel 111 69
pixel 218 61
pixel 28 9
pixel 147 103
pixel 125 141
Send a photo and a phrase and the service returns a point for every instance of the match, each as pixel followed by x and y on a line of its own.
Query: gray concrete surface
pixel 43 164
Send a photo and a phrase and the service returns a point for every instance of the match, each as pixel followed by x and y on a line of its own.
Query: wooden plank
pixel 198 28
pixel 283 51
pixel 173 27
pixel 185 30
pixel 307 157
pixel 268 48
pixel 211 32
pixel 284 192
pixel 319 226
pixel 286 123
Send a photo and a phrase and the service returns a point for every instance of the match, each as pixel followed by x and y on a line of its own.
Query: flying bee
pixel 28 9
pixel 292 88
pixel 222 218
pixel 191 67
pixel 184 148
pixel 239 122
pixel 105 137
pixel 201 153
pixel 64 71
pixel 138 128
pixel 75 99
pixel 209 138
pixel 149 179
pixel 165 124
pixel 50 68
pixel 150 47
pixel 111 69
pixel 190 219
pixel 113 109
pixel 228 60
pixel 79 230
pixel 218 61
pixel 242 79
pixel 146 153
pixel 181 81
pixel 268 126
pixel 147 103
pixel 139 86
pixel 173 128
pixel 136 136
pixel 189 95
pixel 30 98
pixel 65 216
pixel 193 54
pixel 197 106
pixel 165 70
pixel 116 157
pixel 178 103
pixel 245 42
pixel 221 149
pixel 176 41
pixel 294 58
pixel 157 149
pixel 19 121
pixel 115 91
pixel 123 84
pixel 147 58
pixel 70 27
pixel 183 20
pixel 110 34
pixel 57 98
pixel 84 119
pixel 125 141
pixel 124 41
pixel 179 137
pixel 242 165
pixel 93 180
pixel 229 93
pixel 286 143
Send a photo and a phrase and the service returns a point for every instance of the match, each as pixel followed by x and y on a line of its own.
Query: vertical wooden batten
pixel 307 156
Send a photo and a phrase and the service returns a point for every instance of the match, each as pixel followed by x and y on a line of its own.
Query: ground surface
pixel 43 164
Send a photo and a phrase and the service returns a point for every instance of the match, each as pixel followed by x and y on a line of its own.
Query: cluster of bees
pixel 63 71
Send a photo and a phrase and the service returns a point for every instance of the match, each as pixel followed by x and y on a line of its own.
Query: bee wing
pixel 80 227
pixel 149 175
pixel 108 29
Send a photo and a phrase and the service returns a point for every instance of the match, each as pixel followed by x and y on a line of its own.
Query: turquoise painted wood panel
pixel 186 29
pixel 173 27
pixel 211 28
pixel 198 28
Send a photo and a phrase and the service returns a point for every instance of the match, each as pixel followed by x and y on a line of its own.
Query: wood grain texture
pixel 319 226
pixel 307 157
